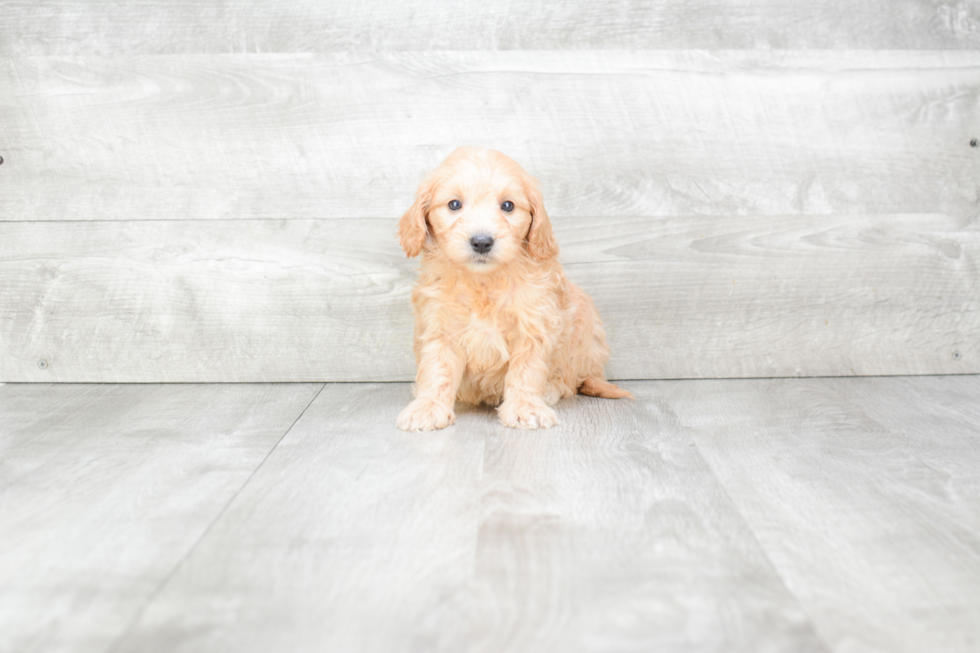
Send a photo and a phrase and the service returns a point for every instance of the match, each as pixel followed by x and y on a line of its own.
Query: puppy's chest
pixel 486 331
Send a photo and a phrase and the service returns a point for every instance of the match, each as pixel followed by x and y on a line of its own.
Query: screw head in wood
pixel 957 355
pixel 43 364
pixel 974 142
pixel 1 160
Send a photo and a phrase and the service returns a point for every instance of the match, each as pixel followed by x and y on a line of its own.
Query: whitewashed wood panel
pixel 608 533
pixel 717 297
pixel 328 300
pixel 863 492
pixel 215 301
pixel 222 26
pixel 104 489
pixel 609 133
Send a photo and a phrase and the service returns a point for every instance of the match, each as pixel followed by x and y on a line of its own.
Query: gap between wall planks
pixel 241 26
pixel 843 186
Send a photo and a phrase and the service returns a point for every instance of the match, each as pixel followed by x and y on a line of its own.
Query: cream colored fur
pixel 503 328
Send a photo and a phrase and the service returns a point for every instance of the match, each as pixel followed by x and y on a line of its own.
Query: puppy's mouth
pixel 482 261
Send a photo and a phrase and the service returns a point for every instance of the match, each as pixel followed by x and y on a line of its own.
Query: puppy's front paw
pixel 526 415
pixel 425 415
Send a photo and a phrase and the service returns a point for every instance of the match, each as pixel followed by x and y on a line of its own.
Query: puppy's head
pixel 480 210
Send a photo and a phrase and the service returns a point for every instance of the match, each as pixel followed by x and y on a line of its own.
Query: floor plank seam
pixel 187 554
pixel 748 526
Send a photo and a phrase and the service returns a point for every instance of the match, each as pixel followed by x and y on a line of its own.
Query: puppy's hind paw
pixel 527 415
pixel 425 415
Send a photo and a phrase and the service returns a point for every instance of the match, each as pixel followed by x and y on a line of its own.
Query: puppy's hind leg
pixel 597 387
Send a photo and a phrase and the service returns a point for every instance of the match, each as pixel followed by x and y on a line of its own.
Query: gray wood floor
pixel 742 515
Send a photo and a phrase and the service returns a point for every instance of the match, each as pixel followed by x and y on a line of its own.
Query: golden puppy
pixel 496 320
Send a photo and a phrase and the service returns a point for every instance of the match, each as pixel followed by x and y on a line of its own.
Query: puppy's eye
pixel 455 205
pixel 507 206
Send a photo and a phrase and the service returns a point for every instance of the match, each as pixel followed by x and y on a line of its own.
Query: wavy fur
pixel 506 328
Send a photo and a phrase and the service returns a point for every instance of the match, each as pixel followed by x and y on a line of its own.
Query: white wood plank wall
pixel 207 191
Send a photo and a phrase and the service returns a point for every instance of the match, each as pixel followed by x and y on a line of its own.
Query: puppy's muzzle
pixel 481 243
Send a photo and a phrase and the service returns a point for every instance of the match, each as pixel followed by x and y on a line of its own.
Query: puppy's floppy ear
pixel 412 228
pixel 541 242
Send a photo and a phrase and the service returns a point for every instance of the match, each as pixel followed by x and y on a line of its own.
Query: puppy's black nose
pixel 482 243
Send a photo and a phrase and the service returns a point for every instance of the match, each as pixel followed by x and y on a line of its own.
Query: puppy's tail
pixel 595 387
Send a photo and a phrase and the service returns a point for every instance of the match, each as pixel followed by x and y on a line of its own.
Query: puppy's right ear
pixel 412 228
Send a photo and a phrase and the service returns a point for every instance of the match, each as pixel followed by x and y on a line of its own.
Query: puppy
pixel 496 320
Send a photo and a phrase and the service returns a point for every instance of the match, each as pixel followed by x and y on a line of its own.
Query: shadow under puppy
pixel 496 320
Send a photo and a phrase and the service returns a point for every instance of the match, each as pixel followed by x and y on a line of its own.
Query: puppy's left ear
pixel 412 228
pixel 541 243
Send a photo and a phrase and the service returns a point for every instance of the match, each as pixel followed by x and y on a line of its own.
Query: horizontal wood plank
pixel 222 26
pixel 328 300
pixel 609 133
pixel 215 301
pixel 715 297
pixel 105 488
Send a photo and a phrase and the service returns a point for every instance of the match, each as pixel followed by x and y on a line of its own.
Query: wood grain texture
pixel 863 492
pixel 103 490
pixel 609 533
pixel 355 532
pixel 344 135
pixel 328 300
pixel 222 26
pixel 214 301
pixel 606 534
pixel 794 296
pixel 750 515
